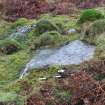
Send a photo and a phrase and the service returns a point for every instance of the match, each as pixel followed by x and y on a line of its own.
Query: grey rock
pixel 72 30
pixel 75 52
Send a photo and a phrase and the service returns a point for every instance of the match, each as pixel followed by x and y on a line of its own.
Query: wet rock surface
pixel 74 52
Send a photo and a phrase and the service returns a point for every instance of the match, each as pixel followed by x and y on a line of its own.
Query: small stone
pixel 61 71
pixel 44 78
pixel 72 30
pixel 58 76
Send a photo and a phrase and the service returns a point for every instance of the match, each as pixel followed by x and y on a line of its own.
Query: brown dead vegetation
pixel 13 9
pixel 84 88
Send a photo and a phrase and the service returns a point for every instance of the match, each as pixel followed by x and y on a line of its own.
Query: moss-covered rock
pixel 90 15
pixel 57 23
pixel 100 42
pixel 9 46
pixel 44 26
pixel 5 27
pixel 98 27
pixel 21 22
pixel 52 38
pixel 61 21
pixel 93 31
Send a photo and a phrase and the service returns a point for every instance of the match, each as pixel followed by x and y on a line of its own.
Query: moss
pixel 11 66
pixel 21 22
pixel 45 26
pixel 100 41
pixel 9 96
pixel 99 77
pixel 47 72
pixel 63 95
pixel 93 31
pixel 90 15
pixel 101 9
pixel 5 27
pixel 54 23
pixel 60 24
pixel 100 48
pixel 9 46
pixel 63 21
pixel 52 38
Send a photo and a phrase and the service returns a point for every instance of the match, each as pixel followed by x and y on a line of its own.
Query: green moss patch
pixel 11 66
pixel 90 15
pixel 45 26
pixel 52 38
pixel 5 27
pixel 93 31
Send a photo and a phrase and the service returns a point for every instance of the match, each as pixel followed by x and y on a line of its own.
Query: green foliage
pixel 92 33
pixel 48 33
pixel 5 27
pixel 9 46
pixel 11 66
pixel 35 74
pixel 7 97
pixel 21 22
pixel 63 95
pixel 100 42
pixel 58 23
pixel 45 26
pixel 101 9
pixel 51 38
pixel 98 27
pixel 90 15
pixel 10 98
pixel 63 22
pixel 100 77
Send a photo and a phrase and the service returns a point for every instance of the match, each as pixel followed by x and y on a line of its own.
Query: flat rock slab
pixel 75 52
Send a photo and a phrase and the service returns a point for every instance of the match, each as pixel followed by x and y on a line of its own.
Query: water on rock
pixel 75 52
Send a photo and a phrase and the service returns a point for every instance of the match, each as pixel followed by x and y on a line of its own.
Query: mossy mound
pixel 93 31
pixel 20 22
pixel 98 27
pixel 90 15
pixel 100 42
pixel 45 26
pixel 9 46
pixel 52 38
pixel 5 27
pixel 62 21
pixel 11 66
pixel 9 98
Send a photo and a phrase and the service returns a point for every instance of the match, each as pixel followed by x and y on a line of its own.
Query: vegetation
pixel 90 15
pixel 45 26
pixel 9 46
pixel 79 84
pixel 5 27
pixel 93 31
